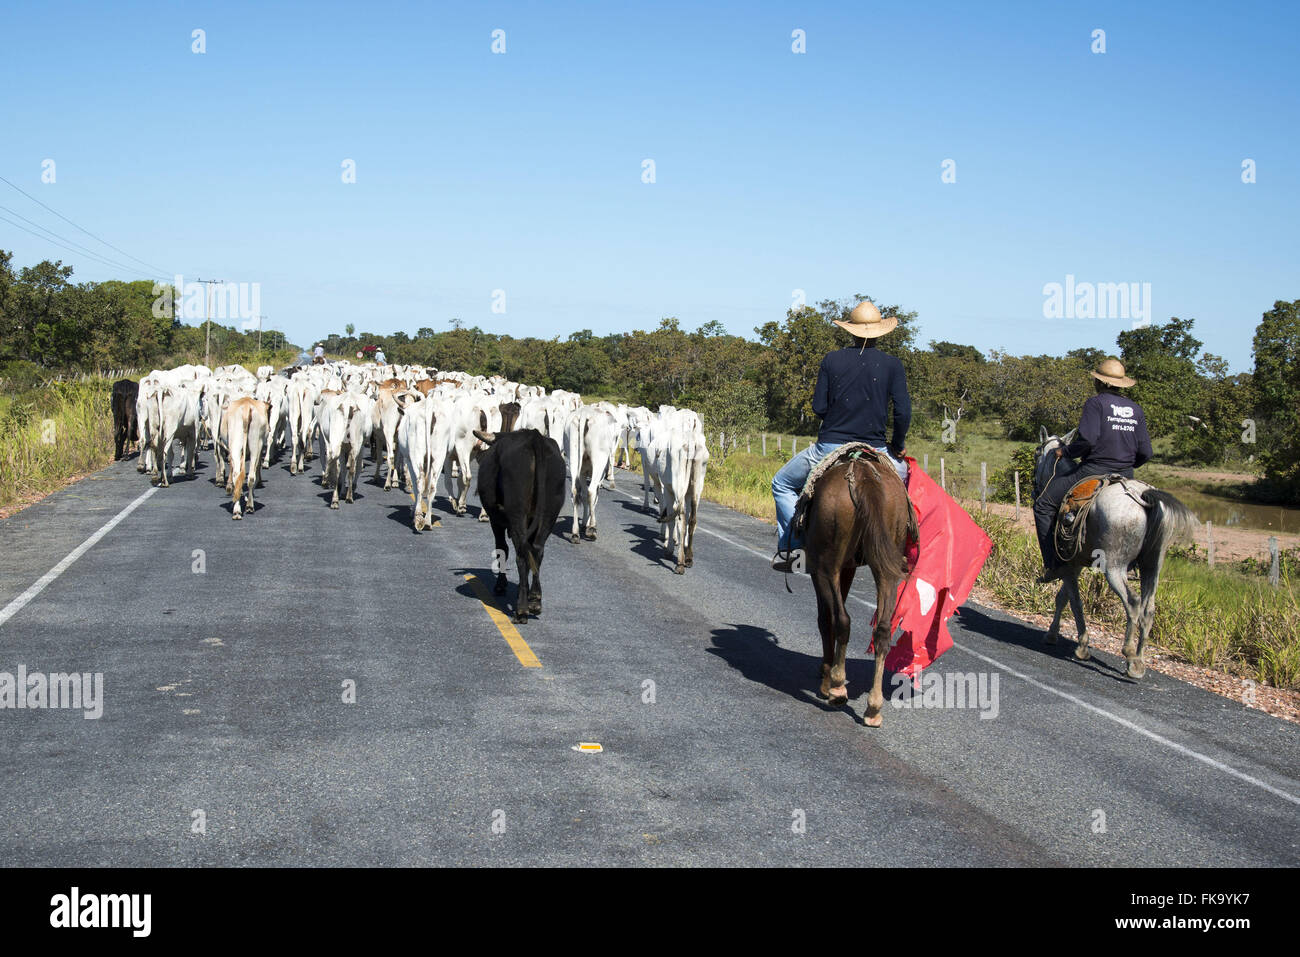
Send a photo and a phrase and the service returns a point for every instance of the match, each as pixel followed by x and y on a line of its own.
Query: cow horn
pixel 488 437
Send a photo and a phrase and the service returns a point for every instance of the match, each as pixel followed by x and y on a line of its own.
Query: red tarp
pixel 952 551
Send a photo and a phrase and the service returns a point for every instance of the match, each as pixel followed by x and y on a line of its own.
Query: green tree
pixel 1277 405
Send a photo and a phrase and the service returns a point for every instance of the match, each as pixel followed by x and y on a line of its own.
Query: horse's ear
pixel 1042 435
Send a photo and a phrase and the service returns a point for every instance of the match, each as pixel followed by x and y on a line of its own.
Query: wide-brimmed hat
pixel 1111 371
pixel 866 322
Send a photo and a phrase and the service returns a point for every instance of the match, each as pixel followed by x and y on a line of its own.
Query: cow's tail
pixel 1169 521
pixel 541 477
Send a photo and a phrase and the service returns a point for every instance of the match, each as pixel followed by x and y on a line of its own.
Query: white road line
pixel 18 603
pixel 1123 722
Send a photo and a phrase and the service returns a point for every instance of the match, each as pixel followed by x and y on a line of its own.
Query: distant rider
pixel 1112 438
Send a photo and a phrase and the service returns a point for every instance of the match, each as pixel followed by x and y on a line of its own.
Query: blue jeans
pixel 789 482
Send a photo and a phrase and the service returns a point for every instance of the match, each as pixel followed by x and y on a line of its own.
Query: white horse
pixel 1120 534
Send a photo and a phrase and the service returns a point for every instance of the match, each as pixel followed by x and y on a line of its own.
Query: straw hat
pixel 1111 371
pixel 865 322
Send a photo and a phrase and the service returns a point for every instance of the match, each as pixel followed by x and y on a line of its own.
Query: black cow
pixel 125 392
pixel 521 485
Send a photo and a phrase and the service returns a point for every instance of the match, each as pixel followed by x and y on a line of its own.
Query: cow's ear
pixel 1042 435
pixel 488 437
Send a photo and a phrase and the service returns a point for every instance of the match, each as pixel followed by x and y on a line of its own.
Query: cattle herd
pixel 421 425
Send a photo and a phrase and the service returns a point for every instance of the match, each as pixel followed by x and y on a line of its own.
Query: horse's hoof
pixel 679 570
pixel 1136 668
pixel 873 720
pixel 1082 652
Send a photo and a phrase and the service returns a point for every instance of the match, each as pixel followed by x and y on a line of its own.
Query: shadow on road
pixel 756 654
pixel 1030 637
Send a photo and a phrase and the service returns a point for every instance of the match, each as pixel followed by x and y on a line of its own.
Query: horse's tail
pixel 1171 521
pixel 879 548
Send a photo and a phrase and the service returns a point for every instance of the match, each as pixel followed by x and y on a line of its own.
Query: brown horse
pixel 859 515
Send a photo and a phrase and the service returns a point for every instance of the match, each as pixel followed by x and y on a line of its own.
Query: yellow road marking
pixel 504 625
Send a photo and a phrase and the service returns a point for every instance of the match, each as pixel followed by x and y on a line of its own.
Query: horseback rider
pixel 854 388
pixel 1111 439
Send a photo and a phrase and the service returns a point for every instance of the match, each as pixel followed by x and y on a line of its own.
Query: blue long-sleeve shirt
pixel 1112 433
pixel 854 388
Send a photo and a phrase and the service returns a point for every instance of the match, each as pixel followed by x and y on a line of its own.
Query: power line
pixel 157 271
pixel 94 256
pixel 64 239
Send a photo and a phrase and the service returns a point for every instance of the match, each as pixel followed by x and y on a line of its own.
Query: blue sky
pixel 774 171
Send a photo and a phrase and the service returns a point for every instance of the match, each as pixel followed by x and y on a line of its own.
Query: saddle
pixel 1072 517
pixel 846 453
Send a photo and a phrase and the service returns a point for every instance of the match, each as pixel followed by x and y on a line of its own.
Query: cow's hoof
pixel 237 516
pixel 535 606
pixel 1082 652
pixel 679 570
pixel 690 562
pixel 590 535
pixel 1049 638
pixel 437 523
pixel 1136 668
pixel 837 697
pixel 521 618
pixel 484 518
pixel 500 587
pixel 334 505
pixel 873 720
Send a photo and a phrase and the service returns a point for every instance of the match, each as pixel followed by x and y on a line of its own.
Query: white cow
pixel 469 411
pixel 589 436
pixel 344 425
pixel 303 395
pixel 683 458
pixel 423 444
pixel 178 415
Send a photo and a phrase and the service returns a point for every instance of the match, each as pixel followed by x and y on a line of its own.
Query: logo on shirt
pixel 1121 418
pixel 1122 411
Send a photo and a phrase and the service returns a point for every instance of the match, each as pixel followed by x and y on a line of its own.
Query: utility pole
pixel 207 319
pixel 259 335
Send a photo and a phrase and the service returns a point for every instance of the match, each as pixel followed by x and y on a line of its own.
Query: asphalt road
pixel 224 685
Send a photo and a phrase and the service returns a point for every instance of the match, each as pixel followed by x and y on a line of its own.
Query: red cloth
pixel 952 551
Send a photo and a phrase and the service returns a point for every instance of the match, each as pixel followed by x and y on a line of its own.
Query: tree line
pixel 744 384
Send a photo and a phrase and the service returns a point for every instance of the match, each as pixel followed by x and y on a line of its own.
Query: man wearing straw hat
pixel 1112 439
pixel 854 388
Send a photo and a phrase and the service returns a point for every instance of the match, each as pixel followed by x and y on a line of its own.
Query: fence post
pixel 794 444
pixel 764 445
pixel 748 439
pixel 1017 495
pixel 984 486
pixel 943 476
pixel 1273 571
pixel 722 442
pixel 778 442
pixel 1209 542
pixel 925 463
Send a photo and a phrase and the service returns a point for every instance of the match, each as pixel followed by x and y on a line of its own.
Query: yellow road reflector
pixel 504 625
pixel 588 747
